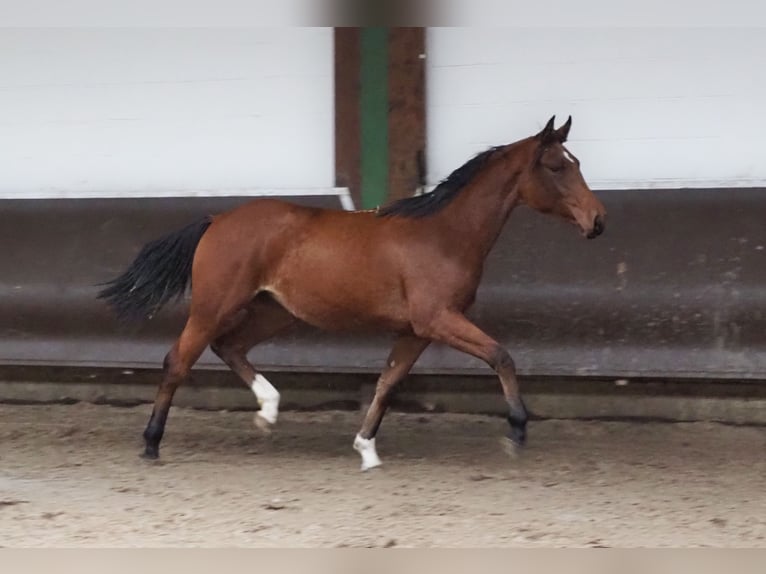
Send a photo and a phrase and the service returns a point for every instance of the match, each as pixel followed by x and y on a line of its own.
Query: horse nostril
pixel 598 225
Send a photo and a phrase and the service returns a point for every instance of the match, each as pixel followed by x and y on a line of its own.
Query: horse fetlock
pixel 266 418
pixel 268 398
pixel 153 434
pixel 517 419
pixel 517 434
pixel 269 409
pixel 366 448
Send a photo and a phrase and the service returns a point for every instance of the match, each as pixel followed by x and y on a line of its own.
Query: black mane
pixel 429 203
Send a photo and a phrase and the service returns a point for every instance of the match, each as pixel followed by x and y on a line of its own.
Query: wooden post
pixel 380 120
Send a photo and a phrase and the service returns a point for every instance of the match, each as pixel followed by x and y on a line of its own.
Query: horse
pixel 411 267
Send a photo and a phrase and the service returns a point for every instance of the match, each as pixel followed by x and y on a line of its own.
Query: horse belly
pixel 336 306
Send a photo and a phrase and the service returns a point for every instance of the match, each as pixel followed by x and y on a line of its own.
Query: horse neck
pixel 477 215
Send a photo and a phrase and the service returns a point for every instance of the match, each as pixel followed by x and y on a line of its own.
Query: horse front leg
pixel 404 353
pixel 455 330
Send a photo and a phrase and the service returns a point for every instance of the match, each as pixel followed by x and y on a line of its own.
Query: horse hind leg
pixel 265 318
pixel 178 363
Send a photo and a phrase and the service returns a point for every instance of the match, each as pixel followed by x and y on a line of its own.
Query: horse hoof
pixel 511 447
pixel 368 467
pixel 150 454
pixel 262 424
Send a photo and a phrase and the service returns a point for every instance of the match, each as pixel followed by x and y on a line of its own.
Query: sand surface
pixel 70 476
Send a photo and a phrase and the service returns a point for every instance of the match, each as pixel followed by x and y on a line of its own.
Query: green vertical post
pixel 374 116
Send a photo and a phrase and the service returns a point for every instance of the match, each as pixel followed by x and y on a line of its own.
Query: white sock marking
pixel 268 398
pixel 366 447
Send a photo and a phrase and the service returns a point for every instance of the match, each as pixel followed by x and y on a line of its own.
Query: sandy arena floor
pixel 70 476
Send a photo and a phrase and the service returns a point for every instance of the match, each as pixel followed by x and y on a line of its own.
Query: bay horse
pixel 411 267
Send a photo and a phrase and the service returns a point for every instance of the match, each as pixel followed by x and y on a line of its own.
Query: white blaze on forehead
pixel 568 155
pixel 268 398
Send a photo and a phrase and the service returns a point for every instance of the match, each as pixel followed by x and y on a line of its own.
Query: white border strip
pixel 342 193
pixel 677 184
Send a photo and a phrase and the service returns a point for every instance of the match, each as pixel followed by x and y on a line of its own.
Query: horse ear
pixel 563 131
pixel 547 131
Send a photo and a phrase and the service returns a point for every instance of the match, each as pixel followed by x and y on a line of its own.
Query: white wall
pixel 89 111
pixel 651 107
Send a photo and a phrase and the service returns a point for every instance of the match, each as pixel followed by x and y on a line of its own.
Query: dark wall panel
pixel 676 287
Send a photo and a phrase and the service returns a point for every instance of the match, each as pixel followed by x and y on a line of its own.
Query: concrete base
pixel 729 402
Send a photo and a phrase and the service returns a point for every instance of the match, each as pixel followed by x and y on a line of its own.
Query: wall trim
pixel 342 193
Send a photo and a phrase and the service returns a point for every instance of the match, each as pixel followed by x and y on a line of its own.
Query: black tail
pixel 160 273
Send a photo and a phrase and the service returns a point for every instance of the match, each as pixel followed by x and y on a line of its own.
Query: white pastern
pixel 268 398
pixel 366 447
